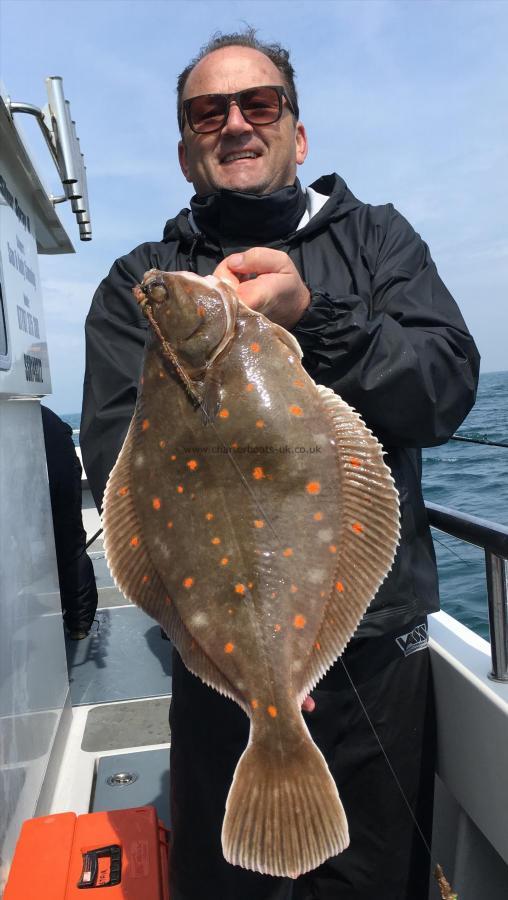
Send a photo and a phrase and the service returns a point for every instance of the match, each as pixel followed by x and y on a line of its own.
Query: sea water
pixel 470 478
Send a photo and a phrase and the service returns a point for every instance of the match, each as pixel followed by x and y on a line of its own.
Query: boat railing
pixel 493 539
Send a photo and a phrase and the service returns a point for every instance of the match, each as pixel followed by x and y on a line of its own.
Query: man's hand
pixel 308 704
pixel 277 290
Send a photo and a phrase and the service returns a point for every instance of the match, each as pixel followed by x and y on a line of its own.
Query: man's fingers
pixel 308 704
pixel 224 272
pixel 260 261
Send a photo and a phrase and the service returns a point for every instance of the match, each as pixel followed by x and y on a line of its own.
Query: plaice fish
pixel 251 513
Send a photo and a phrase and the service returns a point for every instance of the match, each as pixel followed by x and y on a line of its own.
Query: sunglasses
pixel 258 105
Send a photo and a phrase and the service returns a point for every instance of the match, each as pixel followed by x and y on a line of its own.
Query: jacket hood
pixel 340 202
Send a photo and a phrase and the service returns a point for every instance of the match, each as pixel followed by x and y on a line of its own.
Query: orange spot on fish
pixel 224 561
pixel 254 704
pixel 229 647
pixel 258 523
pixel 293 588
pixel 172 457
pixel 209 516
pixel 299 621
pixel 272 711
pixel 134 542
pixel 188 582
pixel 255 347
pixel 357 527
pixel 277 627
pixel 258 473
pixel 317 645
pixel 169 524
pixel 273 595
pixel 322 594
pixel 142 380
pixel 239 588
pixel 234 445
pixel 298 382
pixel 260 423
pixel 296 410
pixel 313 487
pixel 250 584
pixel 145 424
pixel 250 387
pixel 201 311
pixel 287 552
pixel 224 414
pixel 123 491
pixel 192 465
pixel 339 587
pixel 162 444
pixel 156 503
pixel 355 461
pixel 317 516
pixel 180 489
pixel 215 540
pixel 145 579
pixel 161 373
pixel 332 548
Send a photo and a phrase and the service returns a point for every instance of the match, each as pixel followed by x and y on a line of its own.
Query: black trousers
pixel 387 858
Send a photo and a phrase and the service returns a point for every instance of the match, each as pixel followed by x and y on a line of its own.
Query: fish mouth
pixel 153 289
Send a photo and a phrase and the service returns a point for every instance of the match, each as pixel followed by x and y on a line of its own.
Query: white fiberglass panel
pixel 33 670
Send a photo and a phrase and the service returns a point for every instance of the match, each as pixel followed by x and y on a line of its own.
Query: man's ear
pixel 182 159
pixel 302 146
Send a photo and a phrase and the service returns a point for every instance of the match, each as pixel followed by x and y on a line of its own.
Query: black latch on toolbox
pixel 101 867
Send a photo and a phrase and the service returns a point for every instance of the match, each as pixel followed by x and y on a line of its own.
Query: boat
pixel 83 730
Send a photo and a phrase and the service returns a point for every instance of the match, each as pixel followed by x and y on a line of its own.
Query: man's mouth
pixel 240 154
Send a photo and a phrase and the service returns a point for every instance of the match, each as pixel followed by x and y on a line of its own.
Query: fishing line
pixel 383 751
pixel 462 558
pixel 458 437
pixel 444 887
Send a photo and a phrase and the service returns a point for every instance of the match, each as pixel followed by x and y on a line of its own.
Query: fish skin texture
pixel 256 534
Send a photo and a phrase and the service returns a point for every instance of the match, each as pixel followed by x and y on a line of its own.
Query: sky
pixel 406 100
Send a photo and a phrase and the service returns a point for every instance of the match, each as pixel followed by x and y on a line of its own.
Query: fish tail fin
pixel 283 815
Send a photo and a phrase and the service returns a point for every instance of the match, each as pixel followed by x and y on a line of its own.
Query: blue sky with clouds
pixel 406 100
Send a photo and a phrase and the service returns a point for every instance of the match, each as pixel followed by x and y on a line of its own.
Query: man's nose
pixel 235 123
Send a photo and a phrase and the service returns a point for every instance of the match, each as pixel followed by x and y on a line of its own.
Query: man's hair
pixel 277 54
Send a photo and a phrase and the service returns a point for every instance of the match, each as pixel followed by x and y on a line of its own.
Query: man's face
pixel 214 161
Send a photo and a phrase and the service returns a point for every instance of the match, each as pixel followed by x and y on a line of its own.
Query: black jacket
pixel 382 330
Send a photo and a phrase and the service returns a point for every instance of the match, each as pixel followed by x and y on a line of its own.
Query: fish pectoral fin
pixel 368 538
pixel 211 395
pixel 283 812
pixel 135 575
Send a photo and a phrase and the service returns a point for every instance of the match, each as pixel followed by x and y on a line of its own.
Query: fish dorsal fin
pixel 134 574
pixel 368 539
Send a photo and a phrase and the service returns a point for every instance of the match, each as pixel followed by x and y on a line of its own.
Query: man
pixel 359 290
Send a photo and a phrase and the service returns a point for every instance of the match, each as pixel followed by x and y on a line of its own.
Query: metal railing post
pixel 498 615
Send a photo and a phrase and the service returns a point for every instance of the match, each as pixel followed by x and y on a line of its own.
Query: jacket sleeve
pixel 115 333
pixel 406 361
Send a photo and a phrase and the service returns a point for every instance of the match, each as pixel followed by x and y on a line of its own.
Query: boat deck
pixel 119 721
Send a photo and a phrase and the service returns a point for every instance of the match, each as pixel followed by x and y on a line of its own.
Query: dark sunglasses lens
pixel 261 106
pixel 207 113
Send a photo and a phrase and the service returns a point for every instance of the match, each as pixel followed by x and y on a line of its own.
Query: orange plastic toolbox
pixel 117 854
